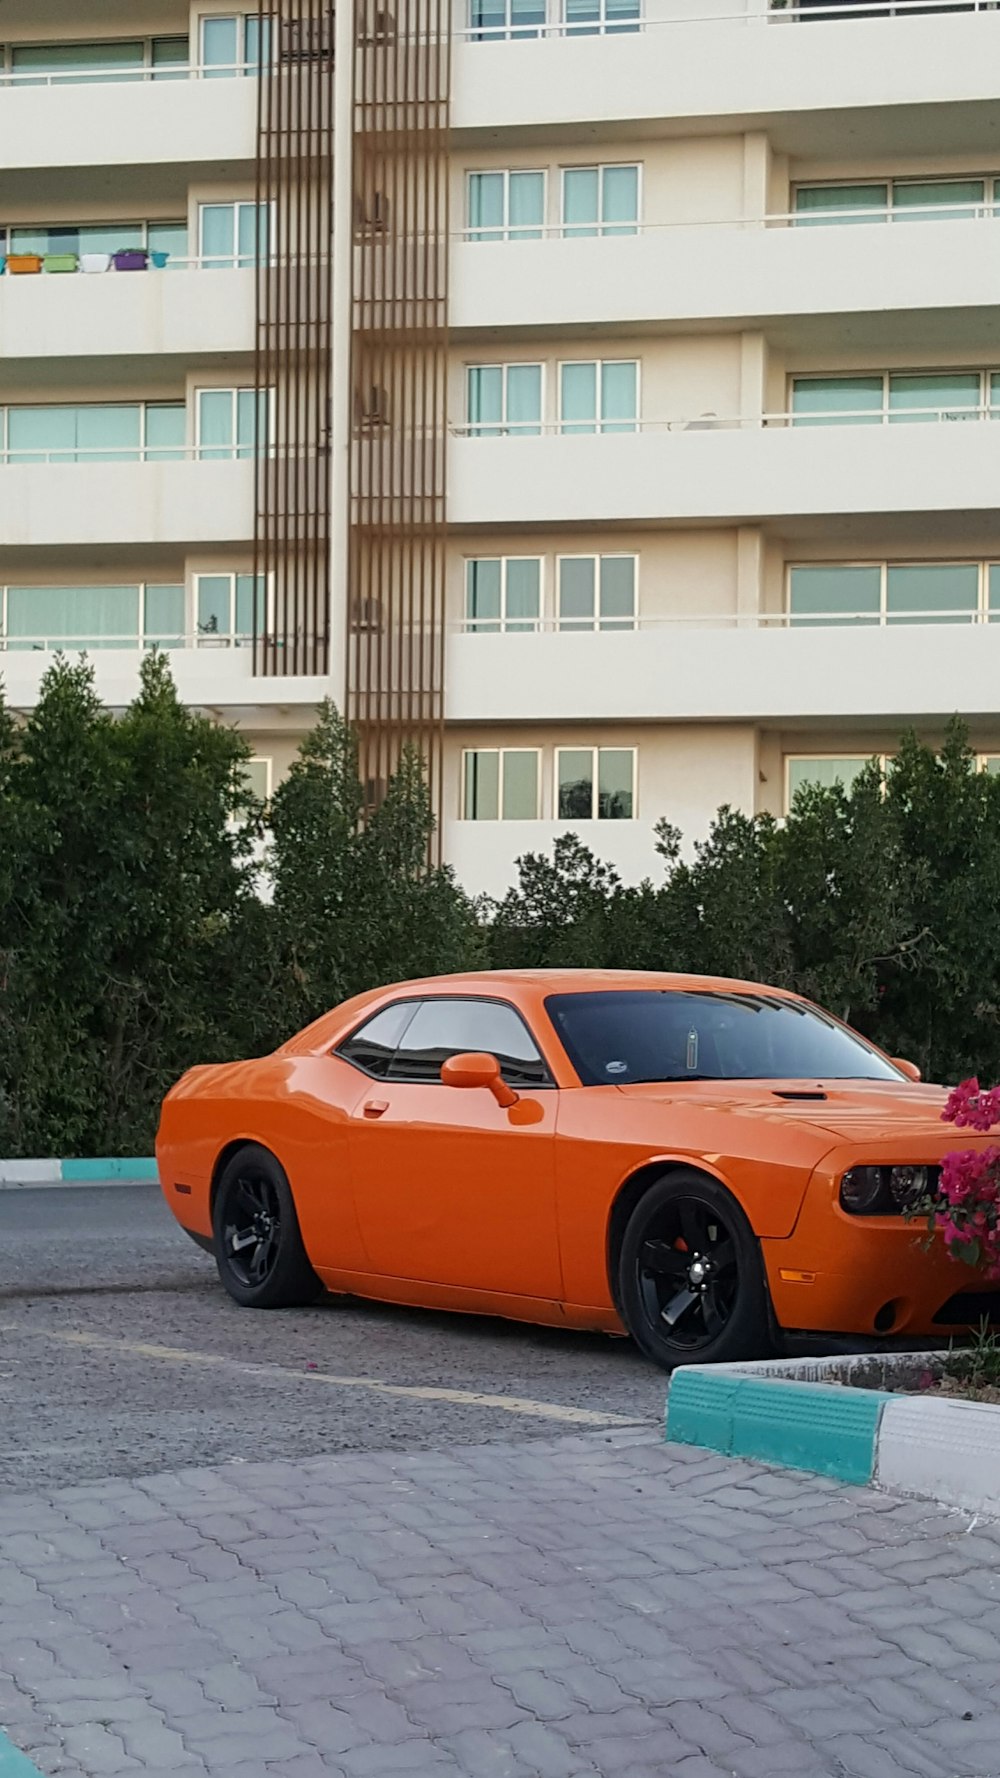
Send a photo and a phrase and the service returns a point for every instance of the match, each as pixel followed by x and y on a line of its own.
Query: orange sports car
pixel 701 1163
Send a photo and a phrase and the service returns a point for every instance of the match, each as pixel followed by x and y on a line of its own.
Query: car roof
pixel 526 987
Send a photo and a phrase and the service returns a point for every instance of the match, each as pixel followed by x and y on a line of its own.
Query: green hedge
pixel 135 938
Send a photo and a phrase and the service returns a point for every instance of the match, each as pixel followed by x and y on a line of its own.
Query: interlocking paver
pixel 577 1608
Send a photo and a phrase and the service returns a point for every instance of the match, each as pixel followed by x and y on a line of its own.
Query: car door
pixel 451 1188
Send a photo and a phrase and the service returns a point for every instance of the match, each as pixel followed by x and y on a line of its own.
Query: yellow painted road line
pixel 470 1398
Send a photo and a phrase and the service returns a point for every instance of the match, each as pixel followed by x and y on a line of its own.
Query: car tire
pixel 258 1245
pixel 691 1283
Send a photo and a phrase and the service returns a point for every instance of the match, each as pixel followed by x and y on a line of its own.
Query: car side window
pixel 373 1045
pixel 448 1027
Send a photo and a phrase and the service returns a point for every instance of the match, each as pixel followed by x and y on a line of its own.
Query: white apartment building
pixel 602 393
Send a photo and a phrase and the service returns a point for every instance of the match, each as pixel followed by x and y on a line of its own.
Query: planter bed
pixel 870 1418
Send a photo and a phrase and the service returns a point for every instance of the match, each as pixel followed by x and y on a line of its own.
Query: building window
pixel 894 397
pixel 600 200
pixel 233 44
pixel 889 593
pixel 229 609
pixel 231 422
pixel 990 763
pixel 256 775
pixel 94 432
pixel 490 19
pixel 231 235
pixel 91 617
pixel 72 64
pixel 599 396
pixel 506 206
pixel 896 200
pixel 165 242
pixel 500 783
pixel 592 18
pixel 504 398
pixel 824 770
pixel 597 592
pixel 595 783
pixel 503 593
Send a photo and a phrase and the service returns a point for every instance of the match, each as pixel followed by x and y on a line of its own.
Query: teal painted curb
pixel 138 1168
pixel 13 1763
pixel 826 1428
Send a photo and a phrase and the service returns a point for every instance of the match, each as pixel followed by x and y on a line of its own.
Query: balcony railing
pixel 201 453
pixel 117 75
pixel 956 211
pixel 515 30
pixel 665 622
pixel 711 422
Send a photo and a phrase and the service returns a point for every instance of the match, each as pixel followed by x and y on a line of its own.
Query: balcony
pixel 709 469
pixel 185 501
pixel 742 273
pixel 125 122
pixel 804 77
pixel 183 313
pixel 731 669
pixel 217 679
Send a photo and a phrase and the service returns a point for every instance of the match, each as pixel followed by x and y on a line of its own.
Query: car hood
pixel 851 1110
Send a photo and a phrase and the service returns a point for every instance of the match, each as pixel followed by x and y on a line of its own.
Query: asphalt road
pixel 120 1355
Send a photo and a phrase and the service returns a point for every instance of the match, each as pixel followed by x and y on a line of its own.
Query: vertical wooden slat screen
pixel 399 341
pixel 292 373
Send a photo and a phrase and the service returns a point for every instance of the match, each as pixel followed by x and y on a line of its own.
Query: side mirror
pixel 910 1069
pixel 476 1069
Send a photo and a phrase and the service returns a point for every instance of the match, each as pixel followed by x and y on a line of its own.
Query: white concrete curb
pixel 26 1175
pixel 941 1449
pixel 811 1414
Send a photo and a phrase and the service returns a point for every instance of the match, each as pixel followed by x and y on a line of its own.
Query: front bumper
pixel 875 1276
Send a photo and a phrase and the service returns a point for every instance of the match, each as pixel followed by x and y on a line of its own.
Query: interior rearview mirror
pixel 475 1068
pixel 910 1069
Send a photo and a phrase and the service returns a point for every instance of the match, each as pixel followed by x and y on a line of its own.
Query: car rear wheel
pixel 258 1246
pixel 691 1284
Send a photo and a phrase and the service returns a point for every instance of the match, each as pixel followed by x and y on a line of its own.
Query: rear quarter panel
pixel 296 1106
pixel 604 1138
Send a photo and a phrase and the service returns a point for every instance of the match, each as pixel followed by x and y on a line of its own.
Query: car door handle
pixel 375 1107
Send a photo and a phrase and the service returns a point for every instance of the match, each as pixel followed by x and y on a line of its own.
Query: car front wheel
pixel 691 1285
pixel 258 1246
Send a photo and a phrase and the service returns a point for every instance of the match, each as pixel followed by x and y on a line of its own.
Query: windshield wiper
pixel 666 1079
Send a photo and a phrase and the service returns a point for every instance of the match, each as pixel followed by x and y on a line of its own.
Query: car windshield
pixel 651 1034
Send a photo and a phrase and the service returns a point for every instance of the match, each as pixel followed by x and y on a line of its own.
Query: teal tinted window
pixel 73 616
pixel 835 594
pixel 934 592
pixel 836 401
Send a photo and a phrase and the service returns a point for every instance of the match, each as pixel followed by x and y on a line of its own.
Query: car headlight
pixel 885 1191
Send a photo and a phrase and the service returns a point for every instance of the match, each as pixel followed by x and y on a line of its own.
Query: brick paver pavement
pixel 585 1605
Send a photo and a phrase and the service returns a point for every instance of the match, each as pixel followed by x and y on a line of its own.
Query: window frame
pixel 76 454
pixel 235 452
pixel 242 67
pixel 598 427
pixel 886 415
pixel 864 759
pixel 504 625
pixel 886 212
pixel 236 261
pixel 501 752
pixel 110 74
pixel 595 784
pixel 231 637
pixel 143 642
pixel 419 1000
pixel 574 231
pixel 883 619
pixel 601 27
pixel 506 230
pixel 598 624
pixel 503 428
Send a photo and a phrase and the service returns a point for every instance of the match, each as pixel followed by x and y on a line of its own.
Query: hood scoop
pixel 816 1093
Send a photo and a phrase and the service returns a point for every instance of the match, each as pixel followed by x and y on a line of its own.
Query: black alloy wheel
pixel 690 1277
pixel 258 1246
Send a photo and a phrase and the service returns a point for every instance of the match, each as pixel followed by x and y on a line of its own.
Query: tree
pixel 127 849
pixel 355 903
